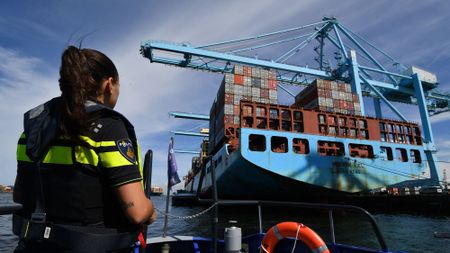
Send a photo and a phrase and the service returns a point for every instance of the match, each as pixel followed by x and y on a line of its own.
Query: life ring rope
pixel 287 229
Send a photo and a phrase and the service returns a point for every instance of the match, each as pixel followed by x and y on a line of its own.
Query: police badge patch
pixel 126 149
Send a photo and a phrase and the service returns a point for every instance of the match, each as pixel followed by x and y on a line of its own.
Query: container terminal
pixel 325 145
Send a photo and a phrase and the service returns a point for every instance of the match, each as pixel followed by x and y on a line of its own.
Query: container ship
pixel 320 145
pixel 323 143
pixel 156 191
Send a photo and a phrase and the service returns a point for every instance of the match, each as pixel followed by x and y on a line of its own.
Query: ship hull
pixel 247 174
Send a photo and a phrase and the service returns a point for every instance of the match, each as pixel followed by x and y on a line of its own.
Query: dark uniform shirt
pixel 79 178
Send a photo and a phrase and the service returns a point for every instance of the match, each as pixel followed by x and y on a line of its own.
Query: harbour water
pixel 408 233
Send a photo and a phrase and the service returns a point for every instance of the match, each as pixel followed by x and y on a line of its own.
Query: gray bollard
pixel 165 248
pixel 233 239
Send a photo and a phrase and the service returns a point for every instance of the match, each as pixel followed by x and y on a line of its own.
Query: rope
pixel 264 249
pixel 296 238
pixel 186 217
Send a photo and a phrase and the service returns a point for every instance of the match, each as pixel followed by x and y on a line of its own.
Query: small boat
pixel 290 236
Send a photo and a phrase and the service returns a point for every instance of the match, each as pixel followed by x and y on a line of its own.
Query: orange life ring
pixel 290 229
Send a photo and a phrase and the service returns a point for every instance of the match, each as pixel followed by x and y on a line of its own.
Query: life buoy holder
pixel 296 230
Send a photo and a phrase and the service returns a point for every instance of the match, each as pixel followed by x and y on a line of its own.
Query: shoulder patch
pixel 126 149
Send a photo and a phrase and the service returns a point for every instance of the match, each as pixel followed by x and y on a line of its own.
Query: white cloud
pixel 23 85
pixel 445 116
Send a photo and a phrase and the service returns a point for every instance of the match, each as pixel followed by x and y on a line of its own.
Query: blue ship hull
pixel 247 174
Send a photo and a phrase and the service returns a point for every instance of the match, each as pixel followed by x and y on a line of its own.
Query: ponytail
pixel 81 74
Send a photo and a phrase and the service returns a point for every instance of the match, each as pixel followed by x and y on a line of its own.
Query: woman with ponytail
pixel 79 169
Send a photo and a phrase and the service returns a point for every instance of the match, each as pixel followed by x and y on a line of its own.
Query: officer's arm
pixel 137 207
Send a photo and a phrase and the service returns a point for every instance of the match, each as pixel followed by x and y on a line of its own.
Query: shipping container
pixel 244 84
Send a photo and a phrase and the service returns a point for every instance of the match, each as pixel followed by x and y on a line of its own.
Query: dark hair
pixel 81 74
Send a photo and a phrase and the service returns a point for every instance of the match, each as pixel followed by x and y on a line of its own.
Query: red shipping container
pixel 272 84
pixel 229 98
pixel 238 79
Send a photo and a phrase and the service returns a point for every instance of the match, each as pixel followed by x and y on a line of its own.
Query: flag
pixel 172 167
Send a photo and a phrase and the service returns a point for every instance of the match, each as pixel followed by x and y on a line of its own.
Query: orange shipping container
pixel 238 79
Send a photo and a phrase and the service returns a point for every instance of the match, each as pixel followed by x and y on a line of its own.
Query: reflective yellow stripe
pixel 114 159
pixel 21 153
pixel 139 160
pixel 59 155
pixel 22 136
pixel 86 155
pixel 98 143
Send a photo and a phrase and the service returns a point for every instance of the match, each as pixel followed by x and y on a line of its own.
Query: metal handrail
pixel 328 207
pixel 10 208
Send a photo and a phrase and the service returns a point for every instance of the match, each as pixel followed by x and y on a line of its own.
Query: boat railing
pixel 330 208
pixel 9 208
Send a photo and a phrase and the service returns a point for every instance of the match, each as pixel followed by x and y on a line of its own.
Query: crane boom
pixel 395 86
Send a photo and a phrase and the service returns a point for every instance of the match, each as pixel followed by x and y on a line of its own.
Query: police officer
pixel 79 170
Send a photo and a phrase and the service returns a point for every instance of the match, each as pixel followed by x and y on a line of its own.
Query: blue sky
pixel 33 34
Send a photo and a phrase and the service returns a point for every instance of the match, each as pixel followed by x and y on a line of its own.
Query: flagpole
pixel 172 179
pixel 166 216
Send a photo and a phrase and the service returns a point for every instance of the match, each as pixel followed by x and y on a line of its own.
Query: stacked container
pixel 244 83
pixel 330 96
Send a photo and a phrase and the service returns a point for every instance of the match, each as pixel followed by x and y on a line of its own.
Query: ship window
pixel 360 150
pixel 415 155
pixel 279 144
pixel 342 122
pixel 260 111
pixel 386 153
pixel 257 142
pixel 286 114
pixel 273 113
pixel 321 119
pixel 300 146
pixel 298 115
pixel 247 122
pixel 401 154
pixel 330 148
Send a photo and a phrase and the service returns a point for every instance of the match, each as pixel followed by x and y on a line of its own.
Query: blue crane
pixel 337 54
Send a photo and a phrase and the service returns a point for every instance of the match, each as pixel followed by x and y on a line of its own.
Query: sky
pixel 33 35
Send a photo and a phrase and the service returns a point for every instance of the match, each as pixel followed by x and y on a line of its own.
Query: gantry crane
pixel 337 54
